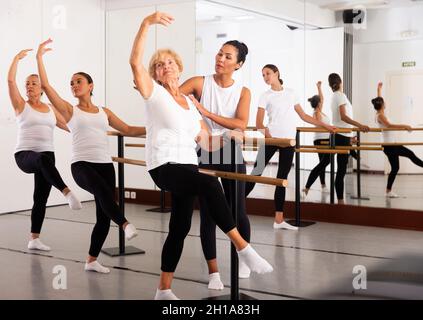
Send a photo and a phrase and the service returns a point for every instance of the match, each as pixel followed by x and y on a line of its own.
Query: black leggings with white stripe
pixel 42 165
pixel 286 155
pixel 393 153
pixel 185 183
pixel 99 179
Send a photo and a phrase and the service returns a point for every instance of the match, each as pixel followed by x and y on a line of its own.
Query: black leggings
pixel 393 153
pixel 42 165
pixel 185 183
pixel 286 155
pixel 99 180
pixel 220 160
pixel 342 162
pixel 320 168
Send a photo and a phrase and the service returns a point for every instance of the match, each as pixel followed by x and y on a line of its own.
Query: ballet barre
pixel 344 148
pixel 392 143
pixel 134 145
pixel 219 174
pixel 322 151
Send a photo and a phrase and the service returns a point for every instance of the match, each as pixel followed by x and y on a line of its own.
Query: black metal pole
pixel 234 208
pixel 297 183
pixel 121 187
pixel 332 169
pixel 358 167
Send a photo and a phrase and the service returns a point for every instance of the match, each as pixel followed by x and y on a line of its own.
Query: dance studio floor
pixel 373 186
pixel 316 262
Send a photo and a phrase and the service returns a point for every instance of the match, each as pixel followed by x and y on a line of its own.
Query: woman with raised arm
pixel 392 152
pixel 174 128
pixel 224 106
pixel 283 108
pixel 342 116
pixel 320 138
pixel 92 166
pixel 35 148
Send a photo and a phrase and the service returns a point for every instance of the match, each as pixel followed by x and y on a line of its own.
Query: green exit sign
pixel 409 64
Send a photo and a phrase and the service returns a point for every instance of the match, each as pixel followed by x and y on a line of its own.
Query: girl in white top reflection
pixel 392 152
pixel 283 108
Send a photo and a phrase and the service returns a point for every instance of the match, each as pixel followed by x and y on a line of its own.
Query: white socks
pixel 253 260
pixel 96 267
pixel 165 295
pixel 284 225
pixel 73 201
pixel 392 194
pixel 244 271
pixel 130 232
pixel 214 282
pixel 36 244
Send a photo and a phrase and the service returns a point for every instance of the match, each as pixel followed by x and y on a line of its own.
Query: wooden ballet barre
pixel 218 174
pixel 118 134
pixel 254 142
pixel 344 148
pixel 322 151
pixel 135 145
pixel 391 143
pixel 318 130
pixel 393 129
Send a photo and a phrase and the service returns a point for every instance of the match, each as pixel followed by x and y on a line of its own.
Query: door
pixel 404 101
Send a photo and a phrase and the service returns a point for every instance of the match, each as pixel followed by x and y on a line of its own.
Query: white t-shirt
pixel 386 136
pixel 339 99
pixel 322 135
pixel 280 108
pixel 171 130
pixel 90 142
pixel 220 101
pixel 35 130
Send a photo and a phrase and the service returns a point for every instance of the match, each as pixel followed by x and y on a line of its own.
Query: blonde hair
pixel 158 57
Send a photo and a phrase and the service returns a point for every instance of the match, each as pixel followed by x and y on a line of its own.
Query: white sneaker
pixel 215 283
pixel 244 271
pixel 165 295
pixel 96 267
pixel 130 232
pixel 36 244
pixel 284 225
pixel 325 189
pixel 392 194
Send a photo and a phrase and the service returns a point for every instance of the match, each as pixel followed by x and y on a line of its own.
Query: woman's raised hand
pixel 42 48
pixel 23 54
pixel 159 18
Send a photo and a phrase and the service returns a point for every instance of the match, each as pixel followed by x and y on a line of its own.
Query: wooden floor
pixel 316 262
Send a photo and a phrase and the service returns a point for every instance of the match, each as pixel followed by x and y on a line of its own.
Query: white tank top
pixel 220 101
pixel 321 135
pixel 35 130
pixel 387 136
pixel 90 142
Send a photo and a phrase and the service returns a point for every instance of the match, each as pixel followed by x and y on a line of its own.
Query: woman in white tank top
pixel 225 106
pixel 392 152
pixel 284 110
pixel 35 149
pixel 92 166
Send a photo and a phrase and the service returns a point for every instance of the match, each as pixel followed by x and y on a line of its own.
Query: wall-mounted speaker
pixel 355 16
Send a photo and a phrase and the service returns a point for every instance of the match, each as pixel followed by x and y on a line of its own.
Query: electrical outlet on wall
pixel 133 195
pixel 127 194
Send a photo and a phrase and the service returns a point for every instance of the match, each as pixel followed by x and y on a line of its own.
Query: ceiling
pixel 369 4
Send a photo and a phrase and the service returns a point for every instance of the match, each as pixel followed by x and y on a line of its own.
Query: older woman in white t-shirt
pixel 174 128
pixel 283 108
pixel 342 116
